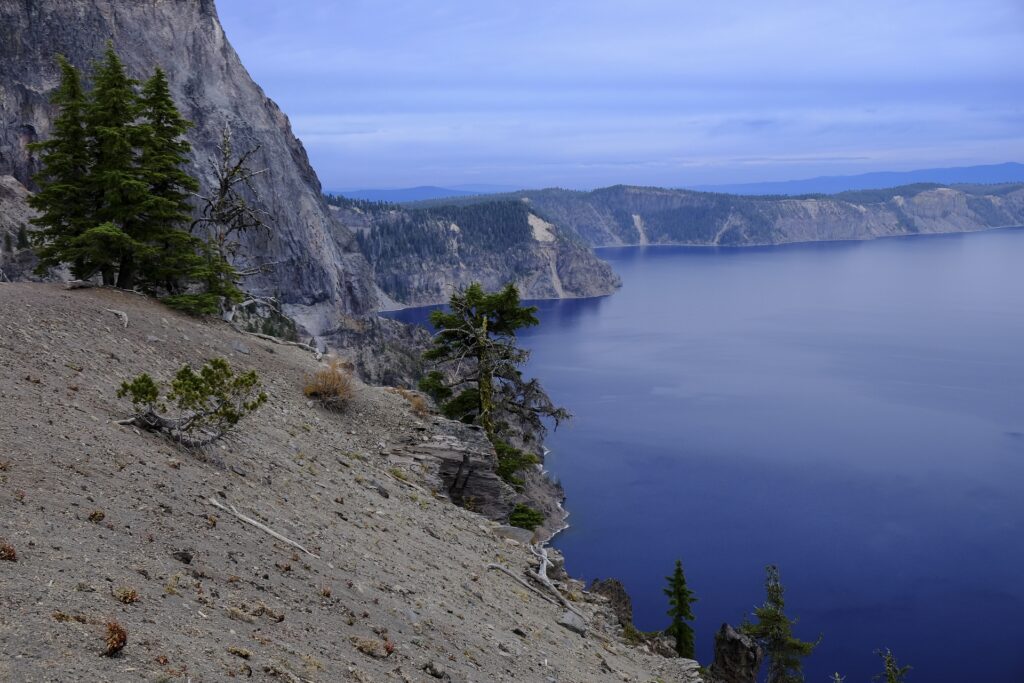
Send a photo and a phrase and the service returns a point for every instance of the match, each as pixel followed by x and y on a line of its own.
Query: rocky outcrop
pixel 319 272
pixel 16 259
pixel 618 599
pixel 419 256
pixel 737 657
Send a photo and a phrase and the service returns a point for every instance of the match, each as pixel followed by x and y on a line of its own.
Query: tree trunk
pixel 485 384
pixel 126 272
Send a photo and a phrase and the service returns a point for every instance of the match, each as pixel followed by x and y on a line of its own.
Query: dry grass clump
pixel 117 638
pixel 332 386
pixel 8 553
pixel 127 596
pixel 419 405
pixel 97 516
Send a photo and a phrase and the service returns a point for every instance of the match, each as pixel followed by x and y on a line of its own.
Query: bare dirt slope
pixel 395 566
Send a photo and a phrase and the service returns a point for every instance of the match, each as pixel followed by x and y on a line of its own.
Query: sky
pixel 588 93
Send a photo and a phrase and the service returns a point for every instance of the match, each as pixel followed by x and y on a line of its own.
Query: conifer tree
pixel 774 631
pixel 63 203
pixel 164 152
pixel 479 378
pixel 680 599
pixel 115 177
pixel 113 193
pixel 892 672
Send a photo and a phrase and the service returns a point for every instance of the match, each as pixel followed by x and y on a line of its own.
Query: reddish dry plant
pixel 117 638
pixel 332 386
pixel 389 647
pixel 7 553
pixel 325 591
pixel 162 660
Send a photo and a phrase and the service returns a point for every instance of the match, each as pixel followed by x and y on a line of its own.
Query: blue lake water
pixel 852 412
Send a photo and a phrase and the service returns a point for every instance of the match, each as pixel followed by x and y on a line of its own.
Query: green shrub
pixel 23 242
pixel 194 304
pixel 8 242
pixel 525 517
pixel 511 460
pixel 207 404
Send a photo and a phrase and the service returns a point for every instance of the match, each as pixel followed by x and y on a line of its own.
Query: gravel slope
pixel 394 563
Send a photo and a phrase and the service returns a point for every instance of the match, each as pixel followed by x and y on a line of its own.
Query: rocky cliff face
pixel 419 256
pixel 319 271
pixel 640 215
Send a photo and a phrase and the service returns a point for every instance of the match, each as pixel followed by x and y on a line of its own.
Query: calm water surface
pixel 852 412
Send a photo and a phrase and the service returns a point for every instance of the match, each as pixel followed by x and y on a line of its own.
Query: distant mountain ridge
pixel 1010 172
pixel 629 215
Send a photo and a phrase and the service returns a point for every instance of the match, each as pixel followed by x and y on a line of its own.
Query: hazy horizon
pixel 578 94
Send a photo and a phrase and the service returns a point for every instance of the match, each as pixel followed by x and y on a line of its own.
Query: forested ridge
pixel 420 255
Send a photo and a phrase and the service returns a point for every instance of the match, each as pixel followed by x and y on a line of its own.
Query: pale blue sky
pixel 665 92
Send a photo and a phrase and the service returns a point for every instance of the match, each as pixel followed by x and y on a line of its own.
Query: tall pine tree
pixel 163 155
pixel 116 177
pixel 774 632
pixel 63 203
pixel 680 598
pixel 114 195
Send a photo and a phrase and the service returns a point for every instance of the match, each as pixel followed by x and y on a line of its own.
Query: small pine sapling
pixel 209 403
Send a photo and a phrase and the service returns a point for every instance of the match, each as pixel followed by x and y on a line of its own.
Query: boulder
pixel 618 598
pixel 737 657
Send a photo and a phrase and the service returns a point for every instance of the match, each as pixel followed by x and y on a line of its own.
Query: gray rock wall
pixel 319 272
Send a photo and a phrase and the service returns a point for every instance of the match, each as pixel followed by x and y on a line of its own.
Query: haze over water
pixel 852 412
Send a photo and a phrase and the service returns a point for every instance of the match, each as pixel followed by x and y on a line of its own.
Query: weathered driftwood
pixel 541 575
pixel 79 284
pixel 230 509
pixel 522 583
pixel 266 337
pixel 176 428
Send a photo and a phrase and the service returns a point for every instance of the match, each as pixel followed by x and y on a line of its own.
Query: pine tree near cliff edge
pixel 479 378
pixel 680 599
pixel 774 631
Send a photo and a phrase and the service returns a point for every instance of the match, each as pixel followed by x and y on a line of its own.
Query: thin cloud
pixel 670 92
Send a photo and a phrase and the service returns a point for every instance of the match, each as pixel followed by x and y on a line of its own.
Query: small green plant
pixel 196 305
pixel 23 241
pixel 8 242
pixel 525 517
pixel 209 403
pixel 511 460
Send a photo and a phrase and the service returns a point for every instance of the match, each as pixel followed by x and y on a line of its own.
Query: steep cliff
pixel 420 255
pixel 319 272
